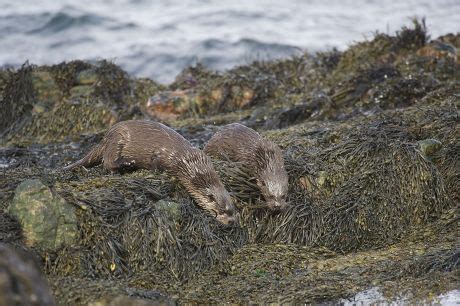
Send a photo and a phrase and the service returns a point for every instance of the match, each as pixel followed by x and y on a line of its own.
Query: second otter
pixel 262 158
pixel 139 144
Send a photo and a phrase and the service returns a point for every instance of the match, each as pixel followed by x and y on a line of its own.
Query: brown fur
pixel 139 144
pixel 262 158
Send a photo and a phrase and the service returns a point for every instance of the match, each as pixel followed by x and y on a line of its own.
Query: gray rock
pixel 47 221
pixel 87 77
pixel 21 282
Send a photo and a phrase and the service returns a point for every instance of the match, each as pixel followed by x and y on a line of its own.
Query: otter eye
pixel 212 198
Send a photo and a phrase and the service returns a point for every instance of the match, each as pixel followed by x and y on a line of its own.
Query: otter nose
pixel 279 205
pixel 232 219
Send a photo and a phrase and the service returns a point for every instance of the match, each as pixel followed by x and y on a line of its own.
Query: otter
pixel 141 144
pixel 262 159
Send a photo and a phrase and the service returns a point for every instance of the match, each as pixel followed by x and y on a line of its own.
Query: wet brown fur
pixel 262 158
pixel 141 144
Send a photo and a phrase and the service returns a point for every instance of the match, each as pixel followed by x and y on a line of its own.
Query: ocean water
pixel 159 38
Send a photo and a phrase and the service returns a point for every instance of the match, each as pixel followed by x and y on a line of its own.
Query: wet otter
pixel 262 158
pixel 139 144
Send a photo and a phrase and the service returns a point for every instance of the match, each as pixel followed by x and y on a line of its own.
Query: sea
pixel 159 38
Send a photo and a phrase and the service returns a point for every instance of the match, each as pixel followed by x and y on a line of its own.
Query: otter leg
pixel 155 163
pixel 112 157
pixel 124 165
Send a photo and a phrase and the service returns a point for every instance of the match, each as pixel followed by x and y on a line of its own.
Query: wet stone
pixel 86 77
pixel 47 221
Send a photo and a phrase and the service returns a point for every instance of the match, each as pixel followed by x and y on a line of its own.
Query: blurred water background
pixel 159 38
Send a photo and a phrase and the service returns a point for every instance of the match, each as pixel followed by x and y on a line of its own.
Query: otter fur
pixel 141 144
pixel 260 157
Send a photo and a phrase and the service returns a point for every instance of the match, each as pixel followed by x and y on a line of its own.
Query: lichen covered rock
pixel 47 221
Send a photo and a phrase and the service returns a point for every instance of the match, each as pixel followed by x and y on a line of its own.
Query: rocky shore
pixel 371 145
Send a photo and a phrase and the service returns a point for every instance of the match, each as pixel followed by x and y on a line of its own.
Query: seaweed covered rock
pixel 278 273
pixel 130 225
pixel 368 190
pixel 84 291
pixel 68 100
pixel 21 281
pixel 377 188
pixel 47 221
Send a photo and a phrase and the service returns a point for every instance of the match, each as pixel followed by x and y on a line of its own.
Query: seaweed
pixel 112 83
pixel 65 74
pixel 142 231
pixel 411 39
pixel 17 98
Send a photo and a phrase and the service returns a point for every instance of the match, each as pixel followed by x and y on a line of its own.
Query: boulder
pixel 21 282
pixel 47 221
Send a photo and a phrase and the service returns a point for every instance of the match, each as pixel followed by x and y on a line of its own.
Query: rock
pixel 47 221
pixel 171 209
pixel 288 116
pixel 258 116
pixel 81 91
pixel 324 179
pixel 438 50
pixel 306 183
pixel 86 77
pixel 429 147
pixel 21 282
pixel 38 108
pixel 46 90
pixel 130 301
pixel 169 105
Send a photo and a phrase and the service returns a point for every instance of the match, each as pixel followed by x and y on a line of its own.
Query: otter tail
pixel 91 159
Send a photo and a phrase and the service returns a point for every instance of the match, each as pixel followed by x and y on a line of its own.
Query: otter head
pixel 272 178
pixel 220 202
pixel 197 174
